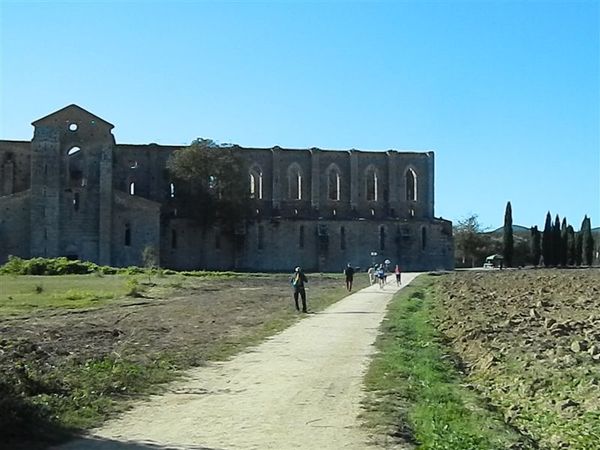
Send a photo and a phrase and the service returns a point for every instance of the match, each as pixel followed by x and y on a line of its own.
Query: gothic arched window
pixel 256 183
pixel 261 237
pixel 301 237
pixel 127 235
pixel 411 185
pixel 295 182
pixel 381 237
pixel 372 184
pixel 333 183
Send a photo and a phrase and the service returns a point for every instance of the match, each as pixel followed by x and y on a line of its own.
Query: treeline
pixel 557 245
pixel 560 245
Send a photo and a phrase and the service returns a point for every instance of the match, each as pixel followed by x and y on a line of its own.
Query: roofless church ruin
pixel 73 191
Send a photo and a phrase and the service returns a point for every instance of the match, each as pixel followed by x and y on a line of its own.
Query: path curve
pixel 300 389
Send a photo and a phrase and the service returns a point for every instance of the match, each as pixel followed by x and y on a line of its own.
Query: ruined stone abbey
pixel 73 191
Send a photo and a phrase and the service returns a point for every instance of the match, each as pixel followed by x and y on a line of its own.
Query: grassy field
pixel 417 393
pixel 75 349
pixel 490 360
pixel 25 294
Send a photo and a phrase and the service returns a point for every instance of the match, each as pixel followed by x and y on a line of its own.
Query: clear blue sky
pixel 507 93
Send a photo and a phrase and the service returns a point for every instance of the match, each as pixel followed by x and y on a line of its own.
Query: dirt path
pixel 301 389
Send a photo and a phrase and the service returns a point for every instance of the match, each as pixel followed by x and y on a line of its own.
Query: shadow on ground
pixel 28 426
pixel 95 443
pixel 25 425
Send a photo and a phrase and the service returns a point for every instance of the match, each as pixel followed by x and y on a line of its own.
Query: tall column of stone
pixel 315 178
pixel 8 176
pixel 393 193
pixel 429 209
pixel 45 192
pixel 276 175
pixel 354 179
pixel 106 201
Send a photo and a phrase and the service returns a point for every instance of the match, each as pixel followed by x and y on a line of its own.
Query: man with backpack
pixel 349 272
pixel 298 279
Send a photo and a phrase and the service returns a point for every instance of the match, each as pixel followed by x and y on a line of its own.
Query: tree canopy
pixel 212 183
pixel 587 242
pixel 469 241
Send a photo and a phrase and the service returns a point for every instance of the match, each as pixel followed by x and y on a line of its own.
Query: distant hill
pixel 517 229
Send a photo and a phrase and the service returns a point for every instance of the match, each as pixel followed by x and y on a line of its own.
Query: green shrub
pixel 47 266
pixel 15 265
pixel 135 290
pixel 77 295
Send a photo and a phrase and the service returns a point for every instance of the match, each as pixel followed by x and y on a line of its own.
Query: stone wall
pixel 135 226
pixel 14 225
pixel 89 198
pixel 15 167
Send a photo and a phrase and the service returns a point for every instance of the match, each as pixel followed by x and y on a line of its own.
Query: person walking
pixel 398 275
pixel 371 273
pixel 298 279
pixel 349 272
pixel 380 274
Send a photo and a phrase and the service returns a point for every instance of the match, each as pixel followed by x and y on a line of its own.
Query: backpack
pixel 296 279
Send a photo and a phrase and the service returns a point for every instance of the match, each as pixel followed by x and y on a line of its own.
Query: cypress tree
pixel 547 241
pixel 536 247
pixel 556 241
pixel 587 242
pixel 571 246
pixel 563 243
pixel 508 241
pixel 578 248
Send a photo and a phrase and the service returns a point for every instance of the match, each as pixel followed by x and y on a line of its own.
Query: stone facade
pixel 72 191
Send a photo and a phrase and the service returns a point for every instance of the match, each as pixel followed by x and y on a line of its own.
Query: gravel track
pixel 300 389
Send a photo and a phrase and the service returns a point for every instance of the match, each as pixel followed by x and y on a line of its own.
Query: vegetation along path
pixel 300 389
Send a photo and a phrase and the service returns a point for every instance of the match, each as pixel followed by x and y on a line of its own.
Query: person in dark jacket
pixel 298 279
pixel 349 272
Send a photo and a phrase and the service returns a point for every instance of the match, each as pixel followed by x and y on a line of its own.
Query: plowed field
pixel 530 343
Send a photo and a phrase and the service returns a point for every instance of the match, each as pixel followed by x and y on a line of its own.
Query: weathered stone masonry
pixel 72 191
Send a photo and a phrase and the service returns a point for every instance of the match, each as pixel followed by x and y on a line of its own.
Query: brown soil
pixel 197 315
pixel 530 341
pixel 300 389
pixel 186 321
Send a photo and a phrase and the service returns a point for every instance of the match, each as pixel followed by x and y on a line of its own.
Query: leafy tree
pixel 508 242
pixel 213 183
pixel 547 241
pixel 150 257
pixel 536 247
pixel 469 240
pixel 587 242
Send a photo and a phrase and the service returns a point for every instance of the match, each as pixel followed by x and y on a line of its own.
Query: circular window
pixel 73 151
pixel 73 127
